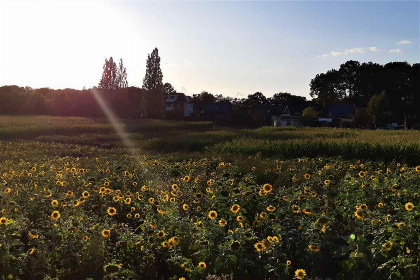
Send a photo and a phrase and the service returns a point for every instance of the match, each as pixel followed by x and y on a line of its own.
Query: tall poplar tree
pixel 153 84
pixel 121 75
pixel 109 75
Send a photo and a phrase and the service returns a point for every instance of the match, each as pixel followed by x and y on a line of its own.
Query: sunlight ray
pixel 115 122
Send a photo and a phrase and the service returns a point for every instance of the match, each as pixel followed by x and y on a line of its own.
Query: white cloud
pixel 350 51
pixel 324 55
pixel 355 50
pixel 337 53
pixel 395 51
pixel 374 49
pixel 403 42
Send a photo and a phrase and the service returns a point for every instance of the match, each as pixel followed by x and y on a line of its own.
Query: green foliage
pixel 310 112
pixel 313 202
pixel 169 89
pixel 110 77
pixel 378 105
pixel 309 116
pixel 154 100
pixel 362 118
pixel 334 218
pixel 357 83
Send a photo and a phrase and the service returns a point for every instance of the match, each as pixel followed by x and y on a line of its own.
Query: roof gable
pixel 218 108
pixel 341 109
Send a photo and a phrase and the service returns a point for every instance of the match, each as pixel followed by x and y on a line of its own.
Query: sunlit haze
pixel 229 48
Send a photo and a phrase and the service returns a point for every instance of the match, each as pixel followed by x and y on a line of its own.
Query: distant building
pixel 339 113
pixel 217 110
pixel 178 105
pixel 342 110
pixel 291 114
pixel 262 114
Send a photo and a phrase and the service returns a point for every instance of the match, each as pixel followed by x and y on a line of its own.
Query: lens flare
pixel 115 122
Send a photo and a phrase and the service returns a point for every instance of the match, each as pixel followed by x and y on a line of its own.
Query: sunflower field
pixel 72 211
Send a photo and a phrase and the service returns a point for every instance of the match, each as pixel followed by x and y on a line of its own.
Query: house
pixel 291 114
pixel 339 113
pixel 342 110
pixel 262 114
pixel 178 105
pixel 217 110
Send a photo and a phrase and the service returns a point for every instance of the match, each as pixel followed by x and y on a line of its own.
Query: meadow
pixel 189 200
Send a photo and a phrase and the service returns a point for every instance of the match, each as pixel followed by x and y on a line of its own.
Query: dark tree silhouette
pixel 357 83
pixel 350 79
pixel 257 99
pixel 378 105
pixel 109 75
pixel 169 89
pixel 121 75
pixel 253 99
pixel 327 88
pixel 283 97
pixel 152 82
pixel 153 78
pixel 204 97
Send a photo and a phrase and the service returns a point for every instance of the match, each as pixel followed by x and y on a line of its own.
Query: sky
pixel 231 48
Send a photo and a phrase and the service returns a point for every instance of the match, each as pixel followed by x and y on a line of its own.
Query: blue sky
pixel 229 48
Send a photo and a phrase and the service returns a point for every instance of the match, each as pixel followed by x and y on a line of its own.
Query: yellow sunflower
pixel 106 233
pixel 300 274
pixel 85 194
pixel 3 220
pixel 111 211
pixel 235 208
pixel 409 206
pixel 212 214
pixel 359 214
pixel 267 188
pixel 296 209
pixel 271 208
pixel 69 194
pixel 202 265
pixel 161 234
pixel 240 218
pixel 313 248
pixel 55 215
pixel 259 246
pixel 387 245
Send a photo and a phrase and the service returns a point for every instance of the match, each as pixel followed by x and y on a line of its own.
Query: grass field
pixel 203 202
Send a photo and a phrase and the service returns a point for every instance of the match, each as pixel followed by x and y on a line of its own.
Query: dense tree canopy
pixel 357 82
pixel 282 97
pixel 122 75
pixel 153 79
pixel 113 77
pixel 153 84
pixel 109 78
pixel 168 89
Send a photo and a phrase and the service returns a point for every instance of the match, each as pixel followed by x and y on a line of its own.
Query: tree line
pixel 381 92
